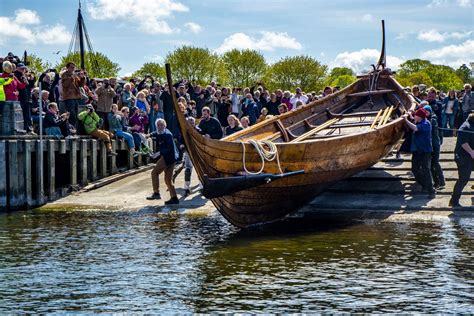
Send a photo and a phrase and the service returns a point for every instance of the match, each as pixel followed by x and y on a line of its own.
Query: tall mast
pixel 80 23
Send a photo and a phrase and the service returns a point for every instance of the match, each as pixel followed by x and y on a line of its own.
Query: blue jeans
pixel 448 119
pixel 126 136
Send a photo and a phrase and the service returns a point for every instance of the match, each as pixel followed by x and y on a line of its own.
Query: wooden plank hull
pixel 325 161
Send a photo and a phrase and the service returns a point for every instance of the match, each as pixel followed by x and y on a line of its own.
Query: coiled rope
pixel 265 154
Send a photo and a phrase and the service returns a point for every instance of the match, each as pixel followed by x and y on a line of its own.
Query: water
pixel 103 261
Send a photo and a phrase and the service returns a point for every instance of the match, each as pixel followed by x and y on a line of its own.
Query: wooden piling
pixel 39 175
pixel 113 159
pixel 28 148
pixel 51 170
pixel 3 176
pixel 94 160
pixel 83 162
pixel 103 160
pixel 73 162
pixel 13 174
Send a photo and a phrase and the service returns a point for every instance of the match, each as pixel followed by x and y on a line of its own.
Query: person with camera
pixel 53 122
pixel 71 94
pixel 24 95
pixel 105 99
pixel 9 84
pixel 91 120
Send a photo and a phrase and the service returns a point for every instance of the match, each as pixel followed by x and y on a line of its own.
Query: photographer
pixel 91 120
pixel 105 94
pixel 52 121
pixel 24 95
pixel 71 93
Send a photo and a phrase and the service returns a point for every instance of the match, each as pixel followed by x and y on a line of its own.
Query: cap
pixel 21 65
pixel 421 113
pixel 428 108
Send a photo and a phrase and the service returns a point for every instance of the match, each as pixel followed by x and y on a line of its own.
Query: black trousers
pixel 72 106
pixel 27 122
pixel 421 168
pixel 436 170
pixel 465 165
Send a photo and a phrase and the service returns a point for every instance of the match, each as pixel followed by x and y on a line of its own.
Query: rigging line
pixel 269 154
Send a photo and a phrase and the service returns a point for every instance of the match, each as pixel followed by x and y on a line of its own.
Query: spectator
pixel 250 109
pixel 35 108
pixel 116 127
pixel 24 96
pixel 71 95
pixel 327 91
pixel 263 115
pixel 282 108
pixel 273 104
pixel 105 99
pixel 287 100
pixel 464 157
pixel 127 97
pixel 245 122
pixel 235 99
pixel 48 84
pixel 421 148
pixel 299 96
pixel 138 120
pixel 209 126
pixel 52 121
pixel 233 125
pixel 167 156
pixel 91 120
pixel 467 101
pixel 449 111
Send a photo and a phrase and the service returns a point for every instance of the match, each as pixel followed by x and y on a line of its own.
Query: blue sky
pixel 337 33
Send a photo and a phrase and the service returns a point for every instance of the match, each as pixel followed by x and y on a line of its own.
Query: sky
pixel 337 33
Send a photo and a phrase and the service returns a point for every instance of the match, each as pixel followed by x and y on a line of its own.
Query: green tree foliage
pixel 298 71
pixel 195 64
pixel 341 77
pixel 36 64
pixel 153 69
pixel 97 64
pixel 464 73
pixel 243 67
pixel 417 71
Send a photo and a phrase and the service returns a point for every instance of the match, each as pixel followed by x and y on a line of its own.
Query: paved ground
pixel 386 190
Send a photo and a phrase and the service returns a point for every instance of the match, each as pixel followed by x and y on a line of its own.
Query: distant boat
pixel 317 145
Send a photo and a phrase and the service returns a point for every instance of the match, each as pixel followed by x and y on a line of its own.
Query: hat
pixel 21 65
pixel 428 108
pixel 421 112
pixel 181 85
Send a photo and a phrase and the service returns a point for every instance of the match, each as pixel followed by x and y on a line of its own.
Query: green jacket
pixel 89 120
pixel 4 82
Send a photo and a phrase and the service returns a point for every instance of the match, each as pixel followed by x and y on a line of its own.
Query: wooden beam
pixel 27 173
pixel 13 174
pixel 94 160
pixel 73 162
pixel 113 159
pixel 367 93
pixel 51 170
pixel 103 160
pixel 283 131
pixel 39 175
pixel 314 130
pixel 83 161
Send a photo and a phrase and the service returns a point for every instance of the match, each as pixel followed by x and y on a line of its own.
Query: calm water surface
pixel 102 261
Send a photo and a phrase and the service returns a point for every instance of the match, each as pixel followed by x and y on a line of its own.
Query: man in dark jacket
pixel 24 96
pixel 464 157
pixel 209 126
pixel 167 156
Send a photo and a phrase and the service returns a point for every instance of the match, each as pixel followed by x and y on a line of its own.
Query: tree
pixel 194 64
pixel 153 69
pixel 341 77
pixel 464 73
pixel 243 67
pixel 36 64
pixel 444 77
pixel 97 64
pixel 412 66
pixel 298 71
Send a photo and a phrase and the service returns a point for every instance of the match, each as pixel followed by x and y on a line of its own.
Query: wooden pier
pixel 68 165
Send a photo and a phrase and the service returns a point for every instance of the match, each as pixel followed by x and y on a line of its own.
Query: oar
pixel 376 118
pixel 388 115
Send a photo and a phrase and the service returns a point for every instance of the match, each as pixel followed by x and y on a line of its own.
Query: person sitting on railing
pixel 137 121
pixel 91 120
pixel 116 126
pixel 53 122
pixel 35 109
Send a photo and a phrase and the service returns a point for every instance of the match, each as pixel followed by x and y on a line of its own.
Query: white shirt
pixel 301 98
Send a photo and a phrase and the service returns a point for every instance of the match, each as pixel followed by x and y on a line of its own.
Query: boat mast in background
pixel 80 38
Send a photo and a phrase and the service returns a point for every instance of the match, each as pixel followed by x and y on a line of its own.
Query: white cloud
pixel 193 27
pixel 268 41
pixel 367 18
pixel 451 55
pixel 148 15
pixel 434 35
pixel 447 3
pixel 25 26
pixel 25 16
pixel 360 61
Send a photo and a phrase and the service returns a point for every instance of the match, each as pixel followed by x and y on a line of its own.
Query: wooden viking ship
pixel 313 147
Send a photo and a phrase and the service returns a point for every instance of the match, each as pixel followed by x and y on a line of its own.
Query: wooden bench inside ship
pixel 323 123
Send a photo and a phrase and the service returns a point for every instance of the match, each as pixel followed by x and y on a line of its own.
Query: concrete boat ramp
pixel 385 191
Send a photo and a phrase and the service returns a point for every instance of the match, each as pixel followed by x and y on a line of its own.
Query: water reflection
pixel 102 261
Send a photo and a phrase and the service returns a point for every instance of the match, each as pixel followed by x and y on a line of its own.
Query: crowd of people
pixel 136 111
